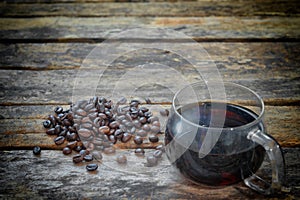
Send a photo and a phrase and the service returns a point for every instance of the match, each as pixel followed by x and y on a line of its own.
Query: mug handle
pixel 276 158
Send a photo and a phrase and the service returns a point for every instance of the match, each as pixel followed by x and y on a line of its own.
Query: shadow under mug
pixel 223 141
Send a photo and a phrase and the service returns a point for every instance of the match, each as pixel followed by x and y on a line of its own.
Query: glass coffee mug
pixel 224 141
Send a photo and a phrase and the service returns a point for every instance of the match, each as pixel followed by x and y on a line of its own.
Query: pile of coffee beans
pixel 92 127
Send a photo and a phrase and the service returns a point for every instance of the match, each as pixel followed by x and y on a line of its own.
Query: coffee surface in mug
pixel 231 160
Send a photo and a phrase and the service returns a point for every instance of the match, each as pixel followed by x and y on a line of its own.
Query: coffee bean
pixel 98 141
pixel 112 131
pixel 77 158
pixel 86 120
pixel 47 124
pixel 139 152
pixel 59 140
pixel 51 131
pixel 58 110
pixel 97 155
pixel 155 129
pixel 101 107
pixel 67 150
pixel 86 126
pixel 123 127
pixel 164 112
pixel 71 136
pixel 94 100
pixel 151 161
pixel 156 123
pixel 91 167
pixel 122 159
pixel 126 137
pixel 104 129
pixel 90 146
pixel 132 130
pixel 148 114
pixel 146 127
pixel 137 123
pixel 57 129
pixel 134 103
pixel 85 133
pixel 113 139
pixel 114 124
pixel 89 107
pixel 108 104
pixel 88 158
pixel 148 101
pixel 72 128
pixel 157 153
pixel 118 134
pixel 82 103
pixel 129 124
pixel 66 122
pixel 52 120
pixel 58 120
pixel 36 150
pixel 81 112
pixel 142 133
pixel 63 133
pixel 143 120
pixel 72 144
pixel 138 140
pixel 108 114
pixel 93 115
pixel 152 119
pixel 78 148
pixel 109 150
pixel 153 138
pixel 84 152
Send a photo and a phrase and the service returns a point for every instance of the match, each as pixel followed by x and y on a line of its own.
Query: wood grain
pixel 165 9
pixel 68 29
pixel 53 175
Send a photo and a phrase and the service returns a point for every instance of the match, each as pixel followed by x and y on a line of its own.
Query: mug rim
pixel 245 126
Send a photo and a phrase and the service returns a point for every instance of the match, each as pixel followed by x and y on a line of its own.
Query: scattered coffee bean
pixel 153 138
pixel 151 161
pixel 126 137
pixel 113 139
pixel 138 140
pixel 77 158
pixel 58 110
pixel 84 152
pixel 51 131
pixel 155 129
pixel 52 119
pixel 139 152
pixel 160 147
pixel 92 167
pixel 146 127
pixel 47 124
pixel 157 153
pixel 97 155
pixel 59 140
pixel 72 144
pixel 67 150
pixel 142 133
pixel 122 159
pixel 118 134
pixel 104 129
pixel 88 158
pixel 36 150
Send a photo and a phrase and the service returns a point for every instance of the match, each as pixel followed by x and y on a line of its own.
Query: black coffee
pixel 232 159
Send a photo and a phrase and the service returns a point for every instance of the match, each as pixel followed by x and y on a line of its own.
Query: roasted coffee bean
pixel 122 159
pixel 86 120
pixel 57 129
pixel 102 100
pixel 112 131
pixel 126 137
pixel 142 133
pixel 143 120
pixel 139 152
pixel 121 118
pixel 81 112
pixel 52 120
pixel 71 136
pixel 112 139
pixel 104 129
pixel 123 127
pixel 148 101
pixel 94 100
pixel 47 124
pixel 157 153
pixel 72 144
pixel 97 155
pixel 108 104
pixel 86 126
pixel 155 129
pixel 101 107
pixel 36 150
pixel 77 158
pixel 121 111
pixel 138 140
pixel 102 116
pixel 106 143
pixel 108 114
pixel 134 103
pixel 92 167
pixel 82 103
pixel 58 110
pixel 151 161
pixel 137 123
pixel 148 114
pixel 51 131
pixel 164 112
pixel 88 158
pixel 90 146
pixel 109 150
pixel 67 150
pixel 95 131
pixel 84 152
pixel 88 107
pixel 85 133
pixel 98 141
pixel 128 117
pixel 97 122
pixel 133 109
pixel 141 113
pixel 63 133
pixel 153 138
pixel 93 115
pixel 59 140
pixel 156 123
pixel 118 134
pixel 152 119
pixel 78 148
pixel 132 130
pixel 146 127
pixel 144 109
pixel 129 124
pixel 114 124
pixel 160 147
pixel 67 122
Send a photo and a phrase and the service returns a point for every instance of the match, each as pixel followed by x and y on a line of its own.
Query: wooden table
pixel 43 44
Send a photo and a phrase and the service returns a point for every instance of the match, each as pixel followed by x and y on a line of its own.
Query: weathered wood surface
pixel 65 29
pixel 178 9
pixel 54 176
pixel 21 126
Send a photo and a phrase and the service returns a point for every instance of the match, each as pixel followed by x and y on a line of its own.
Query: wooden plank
pixel 164 9
pixel 64 29
pixel 21 126
pixel 54 175
pixel 280 57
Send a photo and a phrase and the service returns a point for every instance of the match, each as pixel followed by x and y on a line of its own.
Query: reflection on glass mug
pixel 224 141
